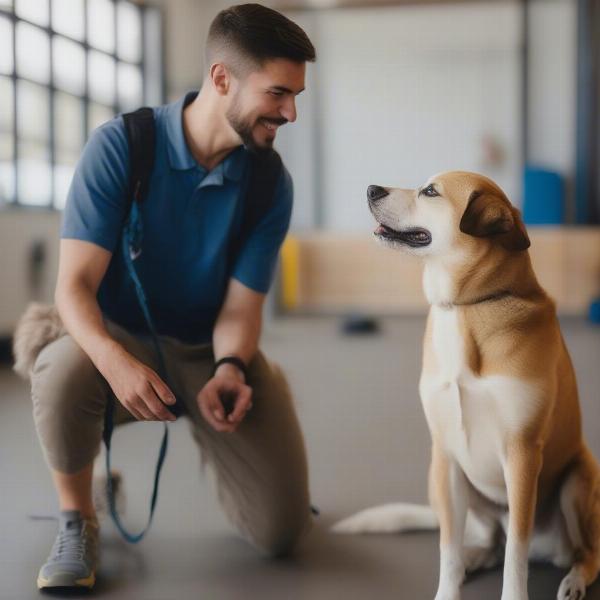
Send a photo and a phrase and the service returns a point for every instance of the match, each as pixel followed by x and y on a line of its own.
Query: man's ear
pixel 220 77
pixel 490 215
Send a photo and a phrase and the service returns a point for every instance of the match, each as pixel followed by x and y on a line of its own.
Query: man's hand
pixel 137 387
pixel 228 382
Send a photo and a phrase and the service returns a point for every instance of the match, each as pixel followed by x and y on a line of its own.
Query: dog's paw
pixel 447 594
pixel 572 587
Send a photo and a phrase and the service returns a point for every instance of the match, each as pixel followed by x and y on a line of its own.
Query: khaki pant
pixel 260 470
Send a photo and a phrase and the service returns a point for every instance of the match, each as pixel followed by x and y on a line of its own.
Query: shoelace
pixel 70 543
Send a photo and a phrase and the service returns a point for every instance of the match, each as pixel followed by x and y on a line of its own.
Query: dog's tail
pixel 39 325
pixel 389 518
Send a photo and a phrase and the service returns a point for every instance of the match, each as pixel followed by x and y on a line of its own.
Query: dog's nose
pixel 374 192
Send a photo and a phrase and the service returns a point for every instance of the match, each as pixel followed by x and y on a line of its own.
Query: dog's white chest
pixel 470 415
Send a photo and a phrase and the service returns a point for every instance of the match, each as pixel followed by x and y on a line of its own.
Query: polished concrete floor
pixel 367 443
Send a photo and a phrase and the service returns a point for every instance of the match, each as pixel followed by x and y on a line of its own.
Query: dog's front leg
pixel 523 464
pixel 449 497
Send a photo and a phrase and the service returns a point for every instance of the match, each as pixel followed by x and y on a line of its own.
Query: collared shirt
pixel 189 218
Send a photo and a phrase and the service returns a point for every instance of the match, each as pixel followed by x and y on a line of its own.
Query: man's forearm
pixel 237 333
pixel 81 315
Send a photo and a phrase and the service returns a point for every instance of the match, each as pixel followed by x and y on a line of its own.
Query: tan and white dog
pixel 509 469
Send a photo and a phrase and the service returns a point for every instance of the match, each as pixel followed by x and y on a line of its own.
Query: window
pixel 66 66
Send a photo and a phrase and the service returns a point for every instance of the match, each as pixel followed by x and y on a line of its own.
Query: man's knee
pixel 68 405
pixel 62 375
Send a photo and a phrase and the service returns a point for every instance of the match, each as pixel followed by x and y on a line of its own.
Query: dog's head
pixel 452 212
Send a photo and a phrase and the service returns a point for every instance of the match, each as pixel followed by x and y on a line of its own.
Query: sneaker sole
pixel 66 580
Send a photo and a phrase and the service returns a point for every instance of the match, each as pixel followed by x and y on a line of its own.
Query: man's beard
pixel 244 129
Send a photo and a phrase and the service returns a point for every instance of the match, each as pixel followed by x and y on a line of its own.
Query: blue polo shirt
pixel 189 218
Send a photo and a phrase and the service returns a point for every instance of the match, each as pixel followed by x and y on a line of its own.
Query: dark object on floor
pixel 359 324
pixel 6 356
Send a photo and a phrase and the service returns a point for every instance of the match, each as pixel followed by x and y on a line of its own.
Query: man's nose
pixel 289 110
pixel 375 192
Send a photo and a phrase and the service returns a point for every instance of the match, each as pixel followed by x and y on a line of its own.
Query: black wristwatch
pixel 234 360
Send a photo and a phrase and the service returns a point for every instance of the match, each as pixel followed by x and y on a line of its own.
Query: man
pixel 256 67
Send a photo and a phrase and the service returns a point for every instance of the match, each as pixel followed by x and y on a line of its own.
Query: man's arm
pixel 82 265
pixel 238 326
pixel 236 333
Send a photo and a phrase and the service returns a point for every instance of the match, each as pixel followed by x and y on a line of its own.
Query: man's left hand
pixel 227 381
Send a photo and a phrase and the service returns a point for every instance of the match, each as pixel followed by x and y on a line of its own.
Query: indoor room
pixel 443 158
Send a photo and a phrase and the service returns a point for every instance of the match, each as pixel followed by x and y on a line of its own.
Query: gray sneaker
pixel 73 558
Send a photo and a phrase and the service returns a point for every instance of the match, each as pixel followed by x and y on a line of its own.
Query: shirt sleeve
pixel 95 207
pixel 256 262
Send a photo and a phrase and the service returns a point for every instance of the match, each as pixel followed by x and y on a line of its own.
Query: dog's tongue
pixel 380 229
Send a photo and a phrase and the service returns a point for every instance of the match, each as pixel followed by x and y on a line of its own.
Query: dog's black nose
pixel 374 192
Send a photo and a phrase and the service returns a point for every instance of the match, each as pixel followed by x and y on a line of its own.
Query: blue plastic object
pixel 594 313
pixel 544 197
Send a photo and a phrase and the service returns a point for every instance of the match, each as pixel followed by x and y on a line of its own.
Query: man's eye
pixel 430 191
pixel 274 93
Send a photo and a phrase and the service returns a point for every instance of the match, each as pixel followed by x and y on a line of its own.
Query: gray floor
pixel 367 442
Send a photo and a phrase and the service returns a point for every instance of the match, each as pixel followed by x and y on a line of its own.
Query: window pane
pixel 33 53
pixel 35 11
pixel 68 17
pixel 102 77
pixel 101 24
pixel 7 169
pixel 68 123
pixel 33 118
pixel 6 46
pixel 35 183
pixel 6 105
pixel 129 23
pixel 63 174
pixel 98 114
pixel 130 87
pixel 69 65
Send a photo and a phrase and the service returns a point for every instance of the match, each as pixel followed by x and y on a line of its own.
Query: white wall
pixel 19 231
pixel 404 92
pixel 552 86
pixel 405 96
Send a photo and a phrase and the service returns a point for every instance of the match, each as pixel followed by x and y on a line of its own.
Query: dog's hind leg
pixel 580 506
pixel 483 548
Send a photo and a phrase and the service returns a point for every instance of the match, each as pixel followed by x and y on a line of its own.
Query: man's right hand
pixel 137 387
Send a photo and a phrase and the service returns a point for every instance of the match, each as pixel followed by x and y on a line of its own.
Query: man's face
pixel 265 100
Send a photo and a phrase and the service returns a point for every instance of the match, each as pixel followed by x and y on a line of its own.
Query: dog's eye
pixel 430 191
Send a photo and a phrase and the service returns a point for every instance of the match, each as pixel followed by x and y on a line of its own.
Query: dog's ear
pixel 488 215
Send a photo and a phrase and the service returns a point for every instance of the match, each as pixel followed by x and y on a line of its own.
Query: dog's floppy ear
pixel 490 215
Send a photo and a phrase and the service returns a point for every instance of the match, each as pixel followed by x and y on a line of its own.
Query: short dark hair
pixel 248 35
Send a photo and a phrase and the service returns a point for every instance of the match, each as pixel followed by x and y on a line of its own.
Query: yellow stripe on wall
pixel 290 266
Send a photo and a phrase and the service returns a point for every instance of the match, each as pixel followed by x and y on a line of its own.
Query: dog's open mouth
pixel 415 237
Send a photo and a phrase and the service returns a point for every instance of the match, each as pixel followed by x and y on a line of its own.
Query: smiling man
pixel 205 303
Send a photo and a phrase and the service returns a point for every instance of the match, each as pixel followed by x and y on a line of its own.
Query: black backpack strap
pixel 141 138
pixel 264 172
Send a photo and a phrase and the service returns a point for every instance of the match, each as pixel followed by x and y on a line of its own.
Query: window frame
pixel 149 88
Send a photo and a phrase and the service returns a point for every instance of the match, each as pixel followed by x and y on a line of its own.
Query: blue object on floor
pixel 544 197
pixel 594 313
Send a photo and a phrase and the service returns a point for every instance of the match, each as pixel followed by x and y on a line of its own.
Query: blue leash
pixel 131 245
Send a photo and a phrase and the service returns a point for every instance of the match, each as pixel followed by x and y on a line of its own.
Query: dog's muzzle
pixel 415 237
